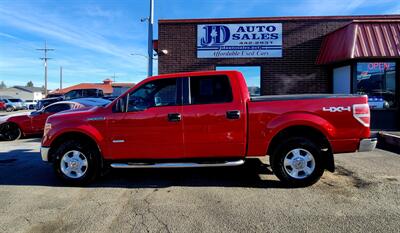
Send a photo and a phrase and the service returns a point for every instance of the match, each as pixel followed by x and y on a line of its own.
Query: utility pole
pixel 60 77
pixel 150 40
pixel 45 58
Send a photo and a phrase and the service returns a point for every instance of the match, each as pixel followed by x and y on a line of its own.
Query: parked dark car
pixel 83 93
pixel 53 95
pixel 44 102
pixel 74 94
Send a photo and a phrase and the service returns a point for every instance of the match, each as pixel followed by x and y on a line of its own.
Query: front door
pixel 214 119
pixel 151 126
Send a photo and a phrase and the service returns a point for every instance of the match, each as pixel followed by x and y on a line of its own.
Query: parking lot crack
pixel 153 214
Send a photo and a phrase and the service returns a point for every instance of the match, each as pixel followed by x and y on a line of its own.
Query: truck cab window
pixel 210 89
pixel 73 94
pixel 153 94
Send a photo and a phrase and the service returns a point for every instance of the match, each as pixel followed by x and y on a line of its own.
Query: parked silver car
pixel 19 104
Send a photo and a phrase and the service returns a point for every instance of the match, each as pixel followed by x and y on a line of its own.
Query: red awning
pixel 368 39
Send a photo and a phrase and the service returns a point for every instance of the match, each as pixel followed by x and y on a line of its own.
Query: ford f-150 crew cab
pixel 202 119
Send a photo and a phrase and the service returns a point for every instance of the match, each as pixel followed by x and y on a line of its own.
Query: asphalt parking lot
pixel 363 195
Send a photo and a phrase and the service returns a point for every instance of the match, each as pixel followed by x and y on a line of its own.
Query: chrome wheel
pixel 299 163
pixel 74 164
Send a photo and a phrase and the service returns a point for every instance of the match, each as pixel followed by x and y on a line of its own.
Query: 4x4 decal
pixel 336 109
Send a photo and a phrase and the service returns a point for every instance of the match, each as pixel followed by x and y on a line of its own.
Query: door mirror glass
pixel 157 101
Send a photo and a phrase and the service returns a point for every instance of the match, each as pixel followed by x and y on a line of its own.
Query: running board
pixel 177 165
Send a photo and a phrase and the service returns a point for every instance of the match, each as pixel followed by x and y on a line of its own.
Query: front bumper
pixel 367 144
pixel 44 151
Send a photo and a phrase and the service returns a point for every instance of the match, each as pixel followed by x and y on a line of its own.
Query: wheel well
pixel 77 136
pixel 12 123
pixel 308 132
pixel 15 124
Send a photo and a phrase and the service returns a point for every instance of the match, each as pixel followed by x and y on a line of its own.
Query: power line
pixel 45 58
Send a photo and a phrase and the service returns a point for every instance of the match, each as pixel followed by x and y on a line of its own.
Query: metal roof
pixel 29 89
pixel 362 39
pixel 279 18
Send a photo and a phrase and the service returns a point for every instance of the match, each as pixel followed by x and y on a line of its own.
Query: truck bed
pixel 299 97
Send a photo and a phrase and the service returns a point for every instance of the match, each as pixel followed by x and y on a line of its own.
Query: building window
pixel 378 81
pixel 251 74
pixel 341 80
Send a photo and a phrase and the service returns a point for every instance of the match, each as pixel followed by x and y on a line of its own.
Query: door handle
pixel 235 114
pixel 174 117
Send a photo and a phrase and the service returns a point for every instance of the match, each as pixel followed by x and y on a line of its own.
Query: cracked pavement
pixel 363 195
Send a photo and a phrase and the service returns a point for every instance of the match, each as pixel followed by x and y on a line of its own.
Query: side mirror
pixel 36 113
pixel 120 106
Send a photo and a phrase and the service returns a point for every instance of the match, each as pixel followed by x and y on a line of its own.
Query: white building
pixel 24 93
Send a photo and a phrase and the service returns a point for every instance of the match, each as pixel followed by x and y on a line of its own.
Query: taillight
pixel 361 113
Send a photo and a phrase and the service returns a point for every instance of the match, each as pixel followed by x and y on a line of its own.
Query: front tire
pixel 9 109
pixel 297 162
pixel 77 163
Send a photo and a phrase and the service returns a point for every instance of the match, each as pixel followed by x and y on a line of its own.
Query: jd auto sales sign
pixel 239 40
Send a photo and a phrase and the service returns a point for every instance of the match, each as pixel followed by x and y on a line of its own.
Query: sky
pixel 93 39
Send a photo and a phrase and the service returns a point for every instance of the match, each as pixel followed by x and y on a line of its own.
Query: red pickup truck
pixel 207 119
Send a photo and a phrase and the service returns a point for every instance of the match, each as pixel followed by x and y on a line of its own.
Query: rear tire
pixel 77 163
pixel 10 132
pixel 297 162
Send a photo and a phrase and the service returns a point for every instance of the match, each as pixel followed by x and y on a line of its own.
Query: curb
pixel 389 141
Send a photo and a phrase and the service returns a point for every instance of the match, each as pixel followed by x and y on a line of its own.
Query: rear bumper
pixel 44 151
pixel 367 144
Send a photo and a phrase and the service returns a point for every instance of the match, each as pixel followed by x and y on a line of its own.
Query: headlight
pixel 47 128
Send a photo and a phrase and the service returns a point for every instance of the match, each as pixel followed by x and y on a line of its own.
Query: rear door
pixel 214 118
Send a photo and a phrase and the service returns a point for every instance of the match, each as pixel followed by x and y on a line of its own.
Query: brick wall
pixel 295 72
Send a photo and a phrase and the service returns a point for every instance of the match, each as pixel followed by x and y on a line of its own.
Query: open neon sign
pixel 381 66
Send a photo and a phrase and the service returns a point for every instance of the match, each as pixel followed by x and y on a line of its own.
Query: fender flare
pixel 86 130
pixel 316 122
pixel 276 125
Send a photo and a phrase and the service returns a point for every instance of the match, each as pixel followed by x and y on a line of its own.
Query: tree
pixel 29 84
pixel 2 85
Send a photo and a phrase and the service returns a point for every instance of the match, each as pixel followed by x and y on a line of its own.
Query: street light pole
pixel 150 40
